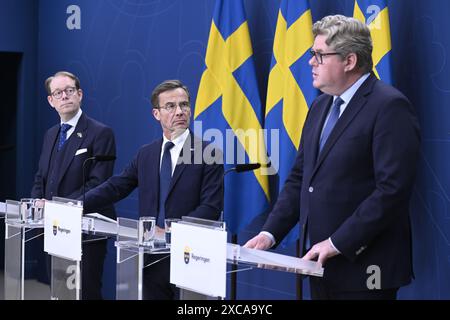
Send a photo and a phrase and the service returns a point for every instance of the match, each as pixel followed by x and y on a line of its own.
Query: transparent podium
pixel 23 224
pixel 62 241
pixel 130 256
pixel 190 246
pixel 64 219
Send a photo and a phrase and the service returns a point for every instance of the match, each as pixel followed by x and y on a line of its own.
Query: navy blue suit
pixel 357 190
pixel 195 190
pixel 67 181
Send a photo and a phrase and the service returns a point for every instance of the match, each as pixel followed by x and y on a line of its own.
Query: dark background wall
pixel 125 47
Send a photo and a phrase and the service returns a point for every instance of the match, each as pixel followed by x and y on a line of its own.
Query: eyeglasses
pixel 57 94
pixel 172 106
pixel 319 55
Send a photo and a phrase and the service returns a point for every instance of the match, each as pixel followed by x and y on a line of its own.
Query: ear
pixel 351 62
pixel 156 114
pixel 80 93
pixel 50 101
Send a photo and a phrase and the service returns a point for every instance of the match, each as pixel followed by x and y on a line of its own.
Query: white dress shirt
pixel 176 149
pixel 73 122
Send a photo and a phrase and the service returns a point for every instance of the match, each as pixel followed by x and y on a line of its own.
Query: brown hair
pixel 167 86
pixel 61 73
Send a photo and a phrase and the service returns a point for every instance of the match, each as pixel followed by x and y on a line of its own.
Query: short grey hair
pixel 347 35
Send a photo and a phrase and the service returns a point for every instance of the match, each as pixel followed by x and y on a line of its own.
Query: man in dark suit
pixel 66 146
pixel 353 176
pixel 176 177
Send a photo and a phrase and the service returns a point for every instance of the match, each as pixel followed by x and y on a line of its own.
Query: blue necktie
pixel 63 135
pixel 165 176
pixel 333 118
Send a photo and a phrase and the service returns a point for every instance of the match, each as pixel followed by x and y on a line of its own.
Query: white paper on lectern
pixel 275 259
pixel 62 230
pixel 100 217
pixel 198 259
pixel 2 207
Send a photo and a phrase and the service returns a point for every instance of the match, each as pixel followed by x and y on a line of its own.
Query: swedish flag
pixel 228 100
pixel 375 14
pixel 290 90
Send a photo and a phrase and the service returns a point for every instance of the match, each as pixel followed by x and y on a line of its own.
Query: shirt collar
pixel 178 140
pixel 74 121
pixel 350 92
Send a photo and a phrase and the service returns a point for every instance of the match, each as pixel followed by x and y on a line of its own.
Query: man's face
pixel 329 77
pixel 66 105
pixel 176 121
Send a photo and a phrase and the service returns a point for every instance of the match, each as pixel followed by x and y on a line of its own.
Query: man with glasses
pixel 176 177
pixel 66 146
pixel 352 180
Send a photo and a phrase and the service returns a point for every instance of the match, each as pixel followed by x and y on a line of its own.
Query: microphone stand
pixel 238 168
pixel 233 275
pixel 84 179
pixel 93 158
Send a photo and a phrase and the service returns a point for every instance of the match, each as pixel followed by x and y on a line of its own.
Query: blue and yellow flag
pixel 228 100
pixel 375 14
pixel 290 90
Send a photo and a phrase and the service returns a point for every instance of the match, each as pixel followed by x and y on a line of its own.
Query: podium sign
pixel 62 230
pixel 198 259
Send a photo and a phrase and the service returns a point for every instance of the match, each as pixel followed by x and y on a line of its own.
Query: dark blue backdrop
pixel 125 47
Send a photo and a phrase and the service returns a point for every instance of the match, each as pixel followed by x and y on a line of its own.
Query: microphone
pixel 104 158
pixel 247 167
pixel 101 157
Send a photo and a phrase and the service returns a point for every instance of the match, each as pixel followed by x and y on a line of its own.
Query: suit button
pixel 311 189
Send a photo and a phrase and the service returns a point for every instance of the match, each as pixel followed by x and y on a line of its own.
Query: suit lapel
pixel 155 157
pixel 73 144
pixel 353 108
pixel 49 143
pixel 318 130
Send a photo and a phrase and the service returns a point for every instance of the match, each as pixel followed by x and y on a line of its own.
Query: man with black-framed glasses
pixel 175 175
pixel 60 173
pixel 353 176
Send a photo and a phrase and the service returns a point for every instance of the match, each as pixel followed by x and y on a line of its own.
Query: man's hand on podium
pixel 321 251
pixel 260 242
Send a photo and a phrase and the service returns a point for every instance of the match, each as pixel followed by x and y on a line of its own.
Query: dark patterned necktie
pixel 63 135
pixel 165 176
pixel 333 118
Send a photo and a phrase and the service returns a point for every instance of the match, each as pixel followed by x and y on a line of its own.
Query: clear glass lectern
pixel 130 258
pixel 66 269
pixel 23 224
pixel 65 277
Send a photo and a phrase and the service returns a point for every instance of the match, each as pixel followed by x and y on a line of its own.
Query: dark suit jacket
pixel 98 139
pixel 357 190
pixel 195 189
